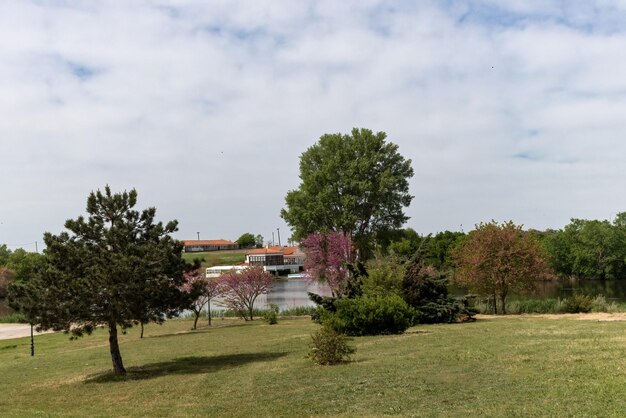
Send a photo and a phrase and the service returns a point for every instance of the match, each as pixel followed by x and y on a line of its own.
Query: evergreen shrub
pixel 368 315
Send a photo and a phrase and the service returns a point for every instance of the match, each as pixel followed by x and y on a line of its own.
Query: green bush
pixel 13 318
pixel 330 347
pixel 271 315
pixel 578 303
pixel 426 290
pixel 368 315
pixel 298 311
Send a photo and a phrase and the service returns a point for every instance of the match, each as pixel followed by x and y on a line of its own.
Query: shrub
pixel 271 315
pixel 426 291
pixel 330 347
pixel 578 303
pixel 368 315
pixel 13 318
pixel 298 311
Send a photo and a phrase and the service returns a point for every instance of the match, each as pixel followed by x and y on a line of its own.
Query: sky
pixel 509 110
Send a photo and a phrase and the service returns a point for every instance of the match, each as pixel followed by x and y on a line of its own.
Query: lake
pixel 293 292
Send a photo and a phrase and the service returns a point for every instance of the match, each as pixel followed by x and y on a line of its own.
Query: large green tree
pixel 356 184
pixel 589 249
pixel 116 267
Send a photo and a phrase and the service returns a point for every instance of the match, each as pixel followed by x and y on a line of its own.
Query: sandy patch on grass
pixel 595 316
pixel 8 331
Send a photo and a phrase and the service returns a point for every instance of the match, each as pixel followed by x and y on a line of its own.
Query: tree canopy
pixel 356 184
pixel 589 249
pixel 116 267
pixel 496 259
pixel 249 240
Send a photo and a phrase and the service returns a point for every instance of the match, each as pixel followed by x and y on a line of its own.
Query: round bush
pixel 368 315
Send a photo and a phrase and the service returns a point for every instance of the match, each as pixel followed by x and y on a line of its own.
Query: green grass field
pixel 505 367
pixel 218 258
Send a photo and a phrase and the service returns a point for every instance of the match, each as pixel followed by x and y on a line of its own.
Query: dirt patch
pixel 595 316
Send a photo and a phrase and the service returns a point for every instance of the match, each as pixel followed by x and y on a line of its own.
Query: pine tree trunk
pixel 141 336
pixel 503 299
pixel 495 304
pixel 116 357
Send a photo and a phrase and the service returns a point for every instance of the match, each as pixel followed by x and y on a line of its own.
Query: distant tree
pixel 258 241
pixel 439 249
pixel 25 264
pixel 240 289
pixel 328 257
pixel 589 249
pixel 116 267
pixel 5 253
pixel 356 184
pixel 247 240
pixel 405 243
pixel 5 276
pixel 201 290
pixel 497 259
pixel 385 274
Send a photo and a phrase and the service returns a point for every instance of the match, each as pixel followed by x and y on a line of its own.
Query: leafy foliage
pixel 578 303
pixel 328 257
pixel 271 314
pixel 371 315
pixel 384 275
pixel 329 347
pixel 246 240
pixel 201 291
pixel 5 276
pixel 426 290
pixel 589 249
pixel 498 258
pixel 240 289
pixel 356 184
pixel 116 267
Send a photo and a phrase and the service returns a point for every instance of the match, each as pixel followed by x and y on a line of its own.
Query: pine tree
pixel 116 268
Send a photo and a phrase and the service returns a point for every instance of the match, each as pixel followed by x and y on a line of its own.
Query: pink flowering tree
pixel 202 290
pixel 328 257
pixel 242 288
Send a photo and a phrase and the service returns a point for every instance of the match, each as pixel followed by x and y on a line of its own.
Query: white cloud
pixel 508 111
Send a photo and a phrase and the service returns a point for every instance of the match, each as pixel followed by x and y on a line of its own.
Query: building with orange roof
pixel 278 260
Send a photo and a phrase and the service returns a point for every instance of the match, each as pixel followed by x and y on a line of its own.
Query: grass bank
pixel 510 366
pixel 218 258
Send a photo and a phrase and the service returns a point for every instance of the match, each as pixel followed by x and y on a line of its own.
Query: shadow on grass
pixel 202 329
pixel 184 365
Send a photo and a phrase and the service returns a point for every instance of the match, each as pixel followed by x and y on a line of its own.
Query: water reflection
pixel 292 293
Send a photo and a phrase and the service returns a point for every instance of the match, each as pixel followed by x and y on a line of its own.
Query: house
pixel 277 260
pixel 217 271
pixel 196 246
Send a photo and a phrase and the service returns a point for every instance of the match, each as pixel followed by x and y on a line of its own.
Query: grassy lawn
pixel 505 367
pixel 218 258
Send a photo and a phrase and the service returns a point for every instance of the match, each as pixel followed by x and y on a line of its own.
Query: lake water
pixel 285 293
pixel 293 292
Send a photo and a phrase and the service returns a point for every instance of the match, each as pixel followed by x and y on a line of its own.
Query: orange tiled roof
pixel 192 242
pixel 286 251
pixel 267 250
